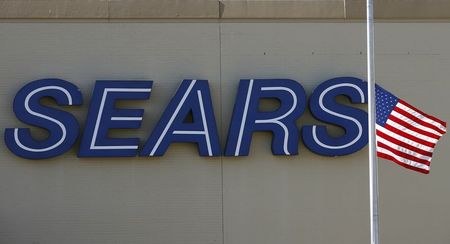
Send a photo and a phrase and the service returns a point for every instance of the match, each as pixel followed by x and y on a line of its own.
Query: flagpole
pixel 373 163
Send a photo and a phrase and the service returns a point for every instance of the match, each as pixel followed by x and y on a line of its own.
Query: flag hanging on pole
pixel 404 134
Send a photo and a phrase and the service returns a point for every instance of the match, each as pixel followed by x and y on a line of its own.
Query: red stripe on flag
pixel 403 144
pixel 417 120
pixel 402 154
pixel 388 157
pixel 409 136
pixel 443 123
pixel 413 128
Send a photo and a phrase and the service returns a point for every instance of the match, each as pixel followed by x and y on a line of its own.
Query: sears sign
pixel 192 98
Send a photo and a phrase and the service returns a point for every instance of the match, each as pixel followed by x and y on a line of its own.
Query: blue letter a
pixel 193 97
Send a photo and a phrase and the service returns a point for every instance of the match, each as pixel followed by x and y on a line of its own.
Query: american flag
pixel 405 135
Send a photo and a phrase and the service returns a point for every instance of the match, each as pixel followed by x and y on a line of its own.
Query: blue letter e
pixel 62 126
pixel 104 115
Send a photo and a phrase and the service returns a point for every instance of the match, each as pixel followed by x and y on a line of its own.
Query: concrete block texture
pixel 283 9
pixel 163 9
pixel 400 9
pixel 217 9
pixel 59 9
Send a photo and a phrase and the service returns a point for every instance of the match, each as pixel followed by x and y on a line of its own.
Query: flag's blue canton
pixel 385 102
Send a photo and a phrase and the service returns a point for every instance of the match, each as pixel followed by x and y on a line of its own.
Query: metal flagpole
pixel 373 163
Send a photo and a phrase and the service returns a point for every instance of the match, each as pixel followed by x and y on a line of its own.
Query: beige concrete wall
pixel 175 199
pixel 223 9
pixel 184 198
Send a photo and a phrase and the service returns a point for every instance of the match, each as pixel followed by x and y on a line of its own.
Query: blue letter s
pixel 324 107
pixel 62 126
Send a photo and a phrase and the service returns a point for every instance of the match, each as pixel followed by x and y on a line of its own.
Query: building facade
pixel 182 197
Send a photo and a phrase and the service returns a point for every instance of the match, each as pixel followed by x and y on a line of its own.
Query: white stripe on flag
pixel 402 149
pixel 421 116
pixel 410 132
pixel 404 139
pixel 413 123
pixel 404 160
